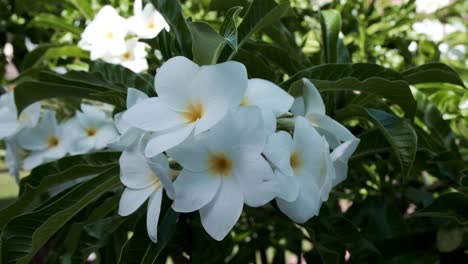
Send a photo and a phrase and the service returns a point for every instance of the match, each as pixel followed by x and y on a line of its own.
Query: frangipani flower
pixel 47 141
pixel 270 98
pixel 148 22
pixel 134 57
pixel 192 99
pixel 311 106
pixel 304 170
pixel 223 168
pixel 105 35
pixel 128 134
pixel 13 157
pixel 90 130
pixel 140 176
pixel 10 122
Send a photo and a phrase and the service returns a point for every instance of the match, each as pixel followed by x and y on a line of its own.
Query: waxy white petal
pixel 132 199
pixel 152 217
pixel 163 142
pixel 222 213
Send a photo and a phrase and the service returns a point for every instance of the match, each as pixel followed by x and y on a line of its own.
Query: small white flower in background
pixel 148 22
pixel 141 178
pixel 191 99
pixel 311 106
pixel 46 141
pixel 90 130
pixel 128 134
pixel 134 58
pixel 223 168
pixel 304 170
pixel 10 122
pixel 270 98
pixel 105 35
pixel 435 30
pixel 430 6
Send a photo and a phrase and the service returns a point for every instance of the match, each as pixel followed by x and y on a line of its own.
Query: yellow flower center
pixel 296 161
pixel 244 102
pixel 127 55
pixel 193 111
pixel 151 25
pixel 110 35
pixel 220 164
pixel 52 142
pixel 91 131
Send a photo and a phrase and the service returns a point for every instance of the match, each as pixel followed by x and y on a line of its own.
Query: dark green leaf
pixel 433 73
pixel 26 234
pixel 49 21
pixel 330 20
pixel 229 27
pixel 398 132
pixel 172 12
pixel 207 43
pixel 451 205
pixel 84 6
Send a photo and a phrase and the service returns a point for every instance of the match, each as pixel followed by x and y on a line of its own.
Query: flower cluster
pixel 115 39
pixel 221 127
pixel 32 138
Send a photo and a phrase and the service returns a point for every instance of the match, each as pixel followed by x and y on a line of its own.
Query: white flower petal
pixel 256 179
pixel 278 151
pixel 160 166
pixel 33 160
pixel 340 157
pixel 269 121
pixel 221 214
pixel 174 78
pixel 215 109
pixel 153 114
pixel 132 199
pixel 298 107
pixel 152 217
pixel 105 134
pixel 289 186
pixel 332 126
pixel 192 154
pixel 312 100
pixel 30 115
pixel 135 173
pixel 268 96
pixel 90 116
pixel 12 158
pixel 303 208
pixel 193 190
pixel 226 80
pixel 161 143
pixel 134 96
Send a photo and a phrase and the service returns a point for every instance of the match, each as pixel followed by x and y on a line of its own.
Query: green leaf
pixel 44 84
pixel 398 132
pixel 54 173
pixel 207 43
pixel 229 27
pixel 433 73
pixel 330 21
pixel 26 234
pixel 46 52
pixel 172 12
pixel 49 21
pixel 260 14
pixel 84 6
pixel 140 249
pixel 124 77
pixel 450 205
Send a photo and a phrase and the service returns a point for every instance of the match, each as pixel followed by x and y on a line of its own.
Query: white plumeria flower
pixel 270 98
pixel 13 157
pixel 47 141
pixel 90 130
pixel 304 170
pixel 192 99
pixel 148 22
pixel 430 6
pixel 223 168
pixel 340 157
pixel 141 178
pixel 311 106
pixel 134 57
pixel 105 35
pixel 128 134
pixel 10 122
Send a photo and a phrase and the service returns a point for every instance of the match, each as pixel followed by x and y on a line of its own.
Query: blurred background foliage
pixel 392 208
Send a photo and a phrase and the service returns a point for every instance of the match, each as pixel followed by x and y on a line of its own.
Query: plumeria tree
pixel 233 131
